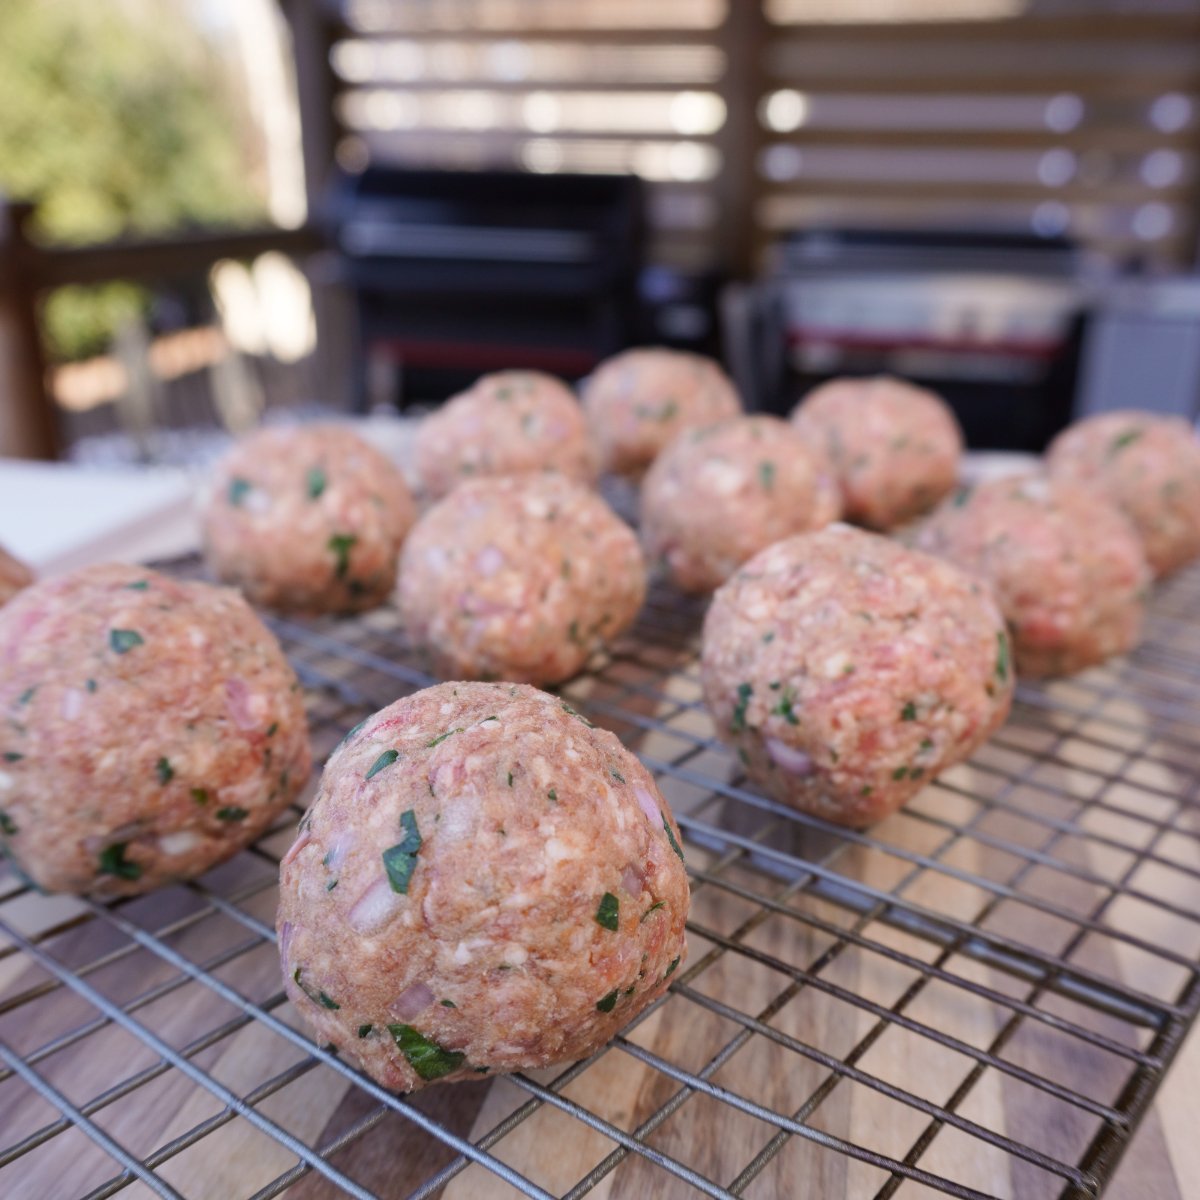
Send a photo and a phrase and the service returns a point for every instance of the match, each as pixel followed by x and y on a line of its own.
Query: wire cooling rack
pixel 976 997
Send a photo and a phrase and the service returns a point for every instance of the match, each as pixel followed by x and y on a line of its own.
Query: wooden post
pixel 28 423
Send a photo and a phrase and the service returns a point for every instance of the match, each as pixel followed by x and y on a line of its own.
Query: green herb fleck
pixel 114 862
pixel 738 722
pixel 671 838
pixel 573 633
pixel 11 756
pixel 437 741
pixel 124 640
pixel 652 908
pixel 865 790
pixel 341 545
pixel 316 482
pixel 510 778
pixel 609 1002
pixel 607 915
pixel 909 712
pixel 90 685
pixel 238 490
pixel 566 568
pixel 766 475
pixel 449 1004
pixel 232 813
pixel 926 743
pixel 961 496
pixel 427 1058
pixel 671 968
pixel 27 695
pixel 363 1030
pixel 617 775
pixel 1002 657
pixel 384 760
pixel 166 772
pixel 331 885
pixel 769 636
pixel 400 860
pixel 900 772
pixel 7 825
pixel 1122 440
pixel 139 586
pixel 200 795
pixel 784 708
pixel 552 794
pixel 273 729
pixel 326 1001
pixel 578 716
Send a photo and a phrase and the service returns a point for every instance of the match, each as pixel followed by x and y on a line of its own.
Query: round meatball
pixel 639 401
pixel 1065 566
pixel 849 670
pixel 151 728
pixel 485 882
pixel 1149 466
pixel 307 519
pixel 507 423
pixel 716 496
pixel 893 447
pixel 14 575
pixel 519 577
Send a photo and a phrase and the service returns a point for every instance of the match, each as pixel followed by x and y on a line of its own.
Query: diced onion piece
pixel 788 758
pixel 375 907
pixel 411 1002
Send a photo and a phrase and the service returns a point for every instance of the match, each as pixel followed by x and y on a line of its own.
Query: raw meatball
pixel 849 670
pixel 14 575
pixel 1149 466
pixel 308 519
pixel 639 401
pixel 506 424
pixel 148 730
pixel 893 447
pixel 519 577
pixel 717 496
pixel 1066 567
pixel 485 882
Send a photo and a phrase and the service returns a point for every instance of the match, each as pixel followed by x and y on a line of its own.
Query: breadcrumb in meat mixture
pixel 893 447
pixel 1066 567
pixel 149 728
pixel 307 519
pixel 519 577
pixel 638 401
pixel 485 882
pixel 848 670
pixel 716 496
pixel 507 423
pixel 1149 466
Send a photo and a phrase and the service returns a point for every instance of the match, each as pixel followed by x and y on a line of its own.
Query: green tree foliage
pixel 116 118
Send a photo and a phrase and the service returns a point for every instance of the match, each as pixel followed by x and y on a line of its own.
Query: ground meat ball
pixel 848 670
pixel 893 447
pixel 14 575
pixel 639 401
pixel 1065 566
pixel 485 882
pixel 1149 466
pixel 309 519
pixel 716 496
pixel 519 577
pixel 507 423
pixel 148 729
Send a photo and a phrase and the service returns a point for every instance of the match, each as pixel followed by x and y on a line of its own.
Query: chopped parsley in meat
pixel 124 640
pixel 341 544
pixel 607 915
pixel 165 771
pixel 671 838
pixel 784 708
pixel 200 795
pixel 617 775
pixel 766 475
pixel 609 1002
pixel 652 908
pixel 400 860
pixel 384 760
pixel 7 825
pixel 1122 440
pixel 238 490
pixel 11 756
pixel 426 1057
pixel 441 738
pixel 738 721
pixel 316 482
pixel 114 862
pixel 909 712
pixel 314 994
pixel 363 1030
pixel 671 969
pixel 1002 657
pixel 232 813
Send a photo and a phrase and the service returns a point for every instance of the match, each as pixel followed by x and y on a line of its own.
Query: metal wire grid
pixel 1029 927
